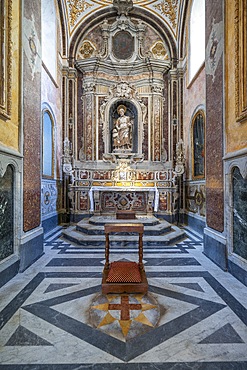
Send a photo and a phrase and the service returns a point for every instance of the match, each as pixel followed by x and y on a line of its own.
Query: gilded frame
pixel 198 177
pixel 241 59
pixel 5 58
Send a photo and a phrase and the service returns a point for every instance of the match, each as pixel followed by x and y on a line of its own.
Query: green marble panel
pixel 239 214
pixel 6 214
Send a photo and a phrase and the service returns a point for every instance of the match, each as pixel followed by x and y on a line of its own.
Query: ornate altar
pixel 120 132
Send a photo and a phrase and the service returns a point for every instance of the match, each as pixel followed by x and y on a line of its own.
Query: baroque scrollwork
pixel 76 7
pixel 180 158
pixel 169 8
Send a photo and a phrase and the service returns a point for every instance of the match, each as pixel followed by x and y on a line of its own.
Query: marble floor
pixel 54 317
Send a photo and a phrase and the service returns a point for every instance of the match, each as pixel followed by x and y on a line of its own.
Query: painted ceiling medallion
pixel 159 51
pixel 87 49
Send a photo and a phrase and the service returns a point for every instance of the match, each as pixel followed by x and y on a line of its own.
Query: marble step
pixel 102 220
pixel 161 227
pixel 117 240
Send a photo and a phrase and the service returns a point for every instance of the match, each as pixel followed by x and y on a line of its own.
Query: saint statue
pixel 122 131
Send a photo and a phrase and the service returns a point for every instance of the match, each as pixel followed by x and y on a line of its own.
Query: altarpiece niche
pixel 119 130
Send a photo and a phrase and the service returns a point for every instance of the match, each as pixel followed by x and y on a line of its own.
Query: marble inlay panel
pixel 6 214
pixel 31 114
pixel 239 214
pixel 214 123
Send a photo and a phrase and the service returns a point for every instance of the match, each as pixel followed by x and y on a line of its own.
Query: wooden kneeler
pixel 124 276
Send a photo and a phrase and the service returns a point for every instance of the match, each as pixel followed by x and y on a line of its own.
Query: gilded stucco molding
pixel 240 35
pixel 169 8
pixel 76 7
pixel 6 80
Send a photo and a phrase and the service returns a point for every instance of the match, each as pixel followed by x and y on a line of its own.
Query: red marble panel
pixel 145 128
pixel 32 125
pixel 79 111
pixel 214 129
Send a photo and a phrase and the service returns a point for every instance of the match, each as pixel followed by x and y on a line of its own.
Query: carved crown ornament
pixel 123 6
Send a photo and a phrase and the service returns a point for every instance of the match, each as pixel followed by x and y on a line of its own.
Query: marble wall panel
pixel 10 86
pixel 214 125
pixel 239 187
pixel 235 72
pixel 31 114
pixel 79 111
pixel 165 115
pixel 6 214
pixel 145 131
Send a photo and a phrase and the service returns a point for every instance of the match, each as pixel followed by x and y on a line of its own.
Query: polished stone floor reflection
pixel 54 316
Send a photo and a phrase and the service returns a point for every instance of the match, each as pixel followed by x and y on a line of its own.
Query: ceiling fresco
pixel 78 11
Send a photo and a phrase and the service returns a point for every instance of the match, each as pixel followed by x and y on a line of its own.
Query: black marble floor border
pixel 135 366
pixel 135 346
pixel 21 297
pixel 85 261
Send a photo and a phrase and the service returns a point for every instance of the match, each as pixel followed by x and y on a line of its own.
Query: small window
pixel 47 145
pixel 198 144
pixel 196 37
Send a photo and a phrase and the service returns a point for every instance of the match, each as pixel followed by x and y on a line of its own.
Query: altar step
pixel 90 232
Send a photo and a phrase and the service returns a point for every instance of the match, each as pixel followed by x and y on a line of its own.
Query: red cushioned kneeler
pixel 124 276
pixel 124 272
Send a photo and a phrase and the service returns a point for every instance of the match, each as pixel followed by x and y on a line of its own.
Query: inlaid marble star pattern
pixel 54 317
pixel 117 314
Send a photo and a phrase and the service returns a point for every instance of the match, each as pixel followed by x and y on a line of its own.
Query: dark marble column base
pixel 215 248
pixel 31 248
pixel 237 271
pixel 8 269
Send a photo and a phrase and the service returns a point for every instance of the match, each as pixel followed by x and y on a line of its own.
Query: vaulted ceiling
pixel 168 11
pixel 166 16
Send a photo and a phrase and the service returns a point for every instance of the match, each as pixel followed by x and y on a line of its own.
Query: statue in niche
pixel 122 131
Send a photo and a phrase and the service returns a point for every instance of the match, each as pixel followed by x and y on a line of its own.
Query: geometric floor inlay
pixel 53 316
pixel 24 337
pixel 226 334
pixel 124 316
